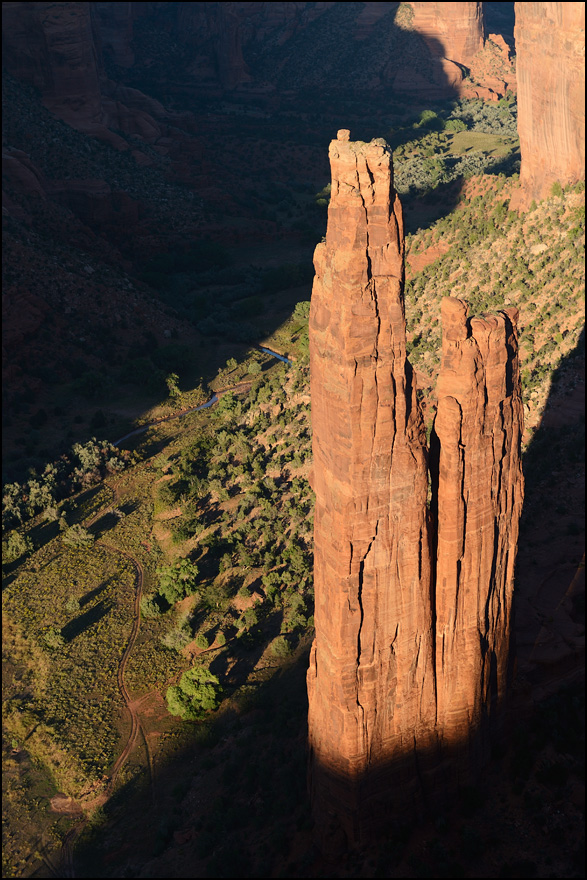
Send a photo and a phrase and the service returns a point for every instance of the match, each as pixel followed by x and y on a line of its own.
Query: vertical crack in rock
pixel 411 605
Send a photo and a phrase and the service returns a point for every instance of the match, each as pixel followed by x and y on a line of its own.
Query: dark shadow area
pixel 500 18
pixel 83 504
pixel 91 594
pixel 103 525
pixel 219 234
pixel 549 594
pixel 43 532
pixel 85 620
pixel 128 507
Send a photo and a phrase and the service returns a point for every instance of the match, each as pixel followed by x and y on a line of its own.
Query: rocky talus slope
pixel 412 620
pixel 550 46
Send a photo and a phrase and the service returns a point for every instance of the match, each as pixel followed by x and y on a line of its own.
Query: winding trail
pixel 67 868
pixel 67 865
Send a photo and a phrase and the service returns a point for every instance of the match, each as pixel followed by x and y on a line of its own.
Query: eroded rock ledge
pixel 412 619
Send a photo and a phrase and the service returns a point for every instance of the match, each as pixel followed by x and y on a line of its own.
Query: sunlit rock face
pixel 478 492
pixel 412 595
pixel 371 676
pixel 550 49
pixel 451 30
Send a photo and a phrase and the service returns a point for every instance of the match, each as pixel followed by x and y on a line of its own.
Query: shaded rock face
pixel 550 46
pixel 57 47
pixel 52 46
pixel 412 619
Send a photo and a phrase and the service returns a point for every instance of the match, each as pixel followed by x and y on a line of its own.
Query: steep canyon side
pixel 456 27
pixel 550 47
pixel 413 590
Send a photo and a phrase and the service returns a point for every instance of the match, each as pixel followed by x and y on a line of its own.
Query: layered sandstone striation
pixel 477 490
pixel 550 47
pixel 450 30
pixel 371 677
pixel 412 618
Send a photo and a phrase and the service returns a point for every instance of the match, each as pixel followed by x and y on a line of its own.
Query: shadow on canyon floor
pixel 259 171
pixel 231 799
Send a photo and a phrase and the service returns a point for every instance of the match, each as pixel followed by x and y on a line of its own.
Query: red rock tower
pixel 412 619
pixel 371 675
pixel 478 491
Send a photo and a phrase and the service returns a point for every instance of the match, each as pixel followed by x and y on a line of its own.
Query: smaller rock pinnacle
pixel 343 134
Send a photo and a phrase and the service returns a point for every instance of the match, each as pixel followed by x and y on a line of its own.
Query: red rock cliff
pixel 412 620
pixel 450 30
pixel 57 48
pixel 550 47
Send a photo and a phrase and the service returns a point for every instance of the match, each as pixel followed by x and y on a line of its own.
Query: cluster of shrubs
pixel 85 465
pixel 264 531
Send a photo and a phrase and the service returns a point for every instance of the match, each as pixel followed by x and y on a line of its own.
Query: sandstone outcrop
pixel 412 619
pixel 371 676
pixel 550 46
pixel 57 48
pixel 477 491
pixel 450 30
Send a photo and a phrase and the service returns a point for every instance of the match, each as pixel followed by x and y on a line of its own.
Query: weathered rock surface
pixel 57 48
pixel 550 46
pixel 412 622
pixel 450 30
pixel 371 676
pixel 477 487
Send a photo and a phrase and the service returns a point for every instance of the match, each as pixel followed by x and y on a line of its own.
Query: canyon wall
pixel 451 30
pixel 57 48
pixel 412 595
pixel 550 47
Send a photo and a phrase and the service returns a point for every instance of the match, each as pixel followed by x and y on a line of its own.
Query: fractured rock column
pixel 476 453
pixel 371 677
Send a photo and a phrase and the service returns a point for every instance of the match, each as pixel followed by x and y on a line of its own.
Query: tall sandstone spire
pixel 371 677
pixel 402 669
pixel 477 493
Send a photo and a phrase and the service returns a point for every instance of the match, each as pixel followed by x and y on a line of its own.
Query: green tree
pixel 172 380
pixel 197 693
pixel 16 546
pixel 72 605
pixel 53 638
pixel 77 536
pixel 178 580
